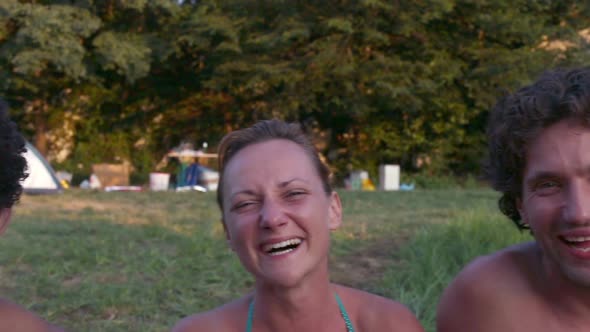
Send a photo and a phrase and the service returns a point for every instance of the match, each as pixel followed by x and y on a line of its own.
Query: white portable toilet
pixel 389 177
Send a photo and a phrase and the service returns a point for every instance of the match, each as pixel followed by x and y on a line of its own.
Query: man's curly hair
pixel 12 163
pixel 517 119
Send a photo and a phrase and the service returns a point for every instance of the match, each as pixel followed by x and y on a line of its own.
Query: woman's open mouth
pixel 281 248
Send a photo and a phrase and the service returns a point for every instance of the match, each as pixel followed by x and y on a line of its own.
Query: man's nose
pixel 577 207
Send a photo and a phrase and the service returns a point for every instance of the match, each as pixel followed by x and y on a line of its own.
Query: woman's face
pixel 276 214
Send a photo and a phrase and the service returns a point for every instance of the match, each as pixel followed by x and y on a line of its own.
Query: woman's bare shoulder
pixel 228 317
pixel 372 312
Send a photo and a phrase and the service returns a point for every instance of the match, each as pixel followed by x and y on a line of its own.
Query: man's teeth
pixel 276 247
pixel 578 239
pixel 576 242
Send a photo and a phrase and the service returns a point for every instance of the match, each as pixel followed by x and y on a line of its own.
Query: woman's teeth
pixel 282 247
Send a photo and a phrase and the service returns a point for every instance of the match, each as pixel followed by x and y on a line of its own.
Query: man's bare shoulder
pixel 373 312
pixel 228 317
pixel 512 263
pixel 15 318
pixel 487 287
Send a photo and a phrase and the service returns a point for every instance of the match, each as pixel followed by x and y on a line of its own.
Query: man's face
pixel 556 198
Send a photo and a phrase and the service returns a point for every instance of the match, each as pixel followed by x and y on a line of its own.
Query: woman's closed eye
pixel 293 195
pixel 243 205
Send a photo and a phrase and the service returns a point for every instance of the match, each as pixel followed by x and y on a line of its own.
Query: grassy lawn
pixel 94 261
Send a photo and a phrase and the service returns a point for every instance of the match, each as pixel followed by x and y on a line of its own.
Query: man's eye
pixel 548 184
pixel 547 187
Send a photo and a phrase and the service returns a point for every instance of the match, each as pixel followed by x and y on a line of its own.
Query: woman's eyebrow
pixel 283 184
pixel 242 192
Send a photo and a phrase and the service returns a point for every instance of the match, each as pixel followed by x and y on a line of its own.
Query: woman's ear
pixel 335 213
pixel 5 214
pixel 227 235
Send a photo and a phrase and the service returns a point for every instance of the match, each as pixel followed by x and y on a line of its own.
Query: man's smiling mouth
pixel 580 243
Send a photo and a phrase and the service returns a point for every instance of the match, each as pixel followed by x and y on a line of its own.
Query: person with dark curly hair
pixel 13 317
pixel 539 160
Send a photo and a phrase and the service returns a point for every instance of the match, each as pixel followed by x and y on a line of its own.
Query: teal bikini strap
pixel 250 316
pixel 344 314
pixel 347 322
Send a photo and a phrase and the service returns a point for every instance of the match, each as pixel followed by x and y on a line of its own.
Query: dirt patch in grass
pixel 36 203
pixel 366 265
pixel 71 282
pixel 77 207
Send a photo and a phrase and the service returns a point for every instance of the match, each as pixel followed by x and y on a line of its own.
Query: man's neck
pixel 568 299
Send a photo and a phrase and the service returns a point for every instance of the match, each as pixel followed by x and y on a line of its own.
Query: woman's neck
pixel 306 307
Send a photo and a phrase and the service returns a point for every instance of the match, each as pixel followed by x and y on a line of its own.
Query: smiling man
pixel 13 317
pixel 539 159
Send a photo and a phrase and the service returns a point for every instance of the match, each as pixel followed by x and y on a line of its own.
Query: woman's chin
pixel 283 279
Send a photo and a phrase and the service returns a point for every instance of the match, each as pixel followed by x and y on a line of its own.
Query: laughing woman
pixel 278 209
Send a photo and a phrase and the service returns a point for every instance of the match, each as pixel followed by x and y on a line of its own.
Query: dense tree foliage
pixel 406 82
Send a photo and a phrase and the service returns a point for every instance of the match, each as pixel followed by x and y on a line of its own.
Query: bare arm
pixel 381 314
pixel 225 318
pixel 15 318
pixel 457 310
pixel 198 322
pixel 481 298
pixel 408 322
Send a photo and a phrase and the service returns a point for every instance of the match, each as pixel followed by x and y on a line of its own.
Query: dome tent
pixel 42 178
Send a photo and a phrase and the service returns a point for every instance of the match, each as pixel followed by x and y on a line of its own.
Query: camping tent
pixel 42 178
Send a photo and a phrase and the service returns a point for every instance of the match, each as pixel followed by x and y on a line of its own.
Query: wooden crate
pixel 112 174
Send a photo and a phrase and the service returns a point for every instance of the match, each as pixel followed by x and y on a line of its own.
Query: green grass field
pixel 94 261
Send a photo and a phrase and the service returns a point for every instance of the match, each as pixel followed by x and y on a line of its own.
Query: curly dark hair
pixel 518 118
pixel 264 131
pixel 14 165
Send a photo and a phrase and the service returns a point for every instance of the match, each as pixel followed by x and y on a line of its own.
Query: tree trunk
pixel 38 110
pixel 40 135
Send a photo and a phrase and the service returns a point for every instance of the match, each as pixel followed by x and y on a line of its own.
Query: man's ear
pixel 335 213
pixel 523 217
pixel 5 214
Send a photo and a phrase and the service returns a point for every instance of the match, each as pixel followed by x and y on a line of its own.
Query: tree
pixel 42 52
pixel 377 81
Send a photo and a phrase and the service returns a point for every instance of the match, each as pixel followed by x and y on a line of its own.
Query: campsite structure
pixel 208 178
pixel 42 178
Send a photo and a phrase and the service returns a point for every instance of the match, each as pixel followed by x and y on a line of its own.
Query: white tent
pixel 42 178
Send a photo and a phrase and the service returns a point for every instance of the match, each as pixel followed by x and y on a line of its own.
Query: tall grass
pixel 438 252
pixel 118 262
pixel 93 261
